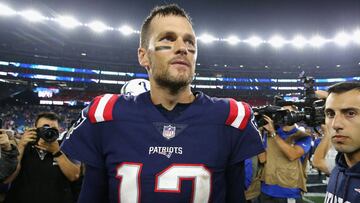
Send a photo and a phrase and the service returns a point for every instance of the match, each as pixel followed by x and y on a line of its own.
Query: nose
pixel 337 122
pixel 180 47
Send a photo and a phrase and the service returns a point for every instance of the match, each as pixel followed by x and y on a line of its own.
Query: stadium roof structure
pixel 251 38
pixel 292 30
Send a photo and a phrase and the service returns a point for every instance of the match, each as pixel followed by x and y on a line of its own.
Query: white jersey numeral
pixel 129 175
pixel 168 180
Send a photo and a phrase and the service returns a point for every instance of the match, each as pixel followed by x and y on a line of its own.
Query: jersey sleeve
pixel 304 143
pixel 84 140
pixel 246 139
pixel 83 144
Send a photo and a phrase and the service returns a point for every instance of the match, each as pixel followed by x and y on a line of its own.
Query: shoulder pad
pixel 101 108
pixel 239 114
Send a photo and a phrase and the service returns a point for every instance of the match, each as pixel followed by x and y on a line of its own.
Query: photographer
pixel 8 155
pixel 44 173
pixel 284 171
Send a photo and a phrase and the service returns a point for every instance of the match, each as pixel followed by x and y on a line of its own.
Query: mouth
pixel 180 62
pixel 339 138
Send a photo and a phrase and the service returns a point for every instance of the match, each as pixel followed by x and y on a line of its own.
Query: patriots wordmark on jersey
pixel 141 156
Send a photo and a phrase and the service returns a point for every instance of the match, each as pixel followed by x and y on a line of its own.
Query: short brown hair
pixel 48 115
pixel 164 10
pixel 344 87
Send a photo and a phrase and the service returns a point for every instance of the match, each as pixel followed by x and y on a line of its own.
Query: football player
pixel 168 144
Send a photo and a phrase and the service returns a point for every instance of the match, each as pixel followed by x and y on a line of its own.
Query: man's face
pixel 342 119
pixel 172 51
pixel 290 108
pixel 44 121
pixel 51 123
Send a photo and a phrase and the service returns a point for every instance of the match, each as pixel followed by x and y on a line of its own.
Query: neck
pixel 352 158
pixel 169 100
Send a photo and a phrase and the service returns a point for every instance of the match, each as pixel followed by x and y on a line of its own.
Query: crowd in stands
pixel 82 96
pixel 18 118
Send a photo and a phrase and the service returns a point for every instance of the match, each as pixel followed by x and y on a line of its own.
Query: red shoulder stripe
pixel 239 114
pixel 92 109
pixel 232 113
pixel 108 112
pixel 246 118
pixel 102 108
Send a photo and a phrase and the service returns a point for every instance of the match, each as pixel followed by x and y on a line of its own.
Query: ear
pixel 143 58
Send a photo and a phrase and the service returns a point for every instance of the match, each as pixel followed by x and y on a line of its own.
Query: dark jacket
pixel 344 183
pixel 8 162
pixel 40 180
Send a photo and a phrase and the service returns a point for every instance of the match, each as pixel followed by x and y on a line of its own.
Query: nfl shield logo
pixel 169 131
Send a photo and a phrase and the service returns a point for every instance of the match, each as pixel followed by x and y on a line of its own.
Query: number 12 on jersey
pixel 168 180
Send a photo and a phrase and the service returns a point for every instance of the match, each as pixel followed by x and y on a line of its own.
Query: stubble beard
pixel 173 84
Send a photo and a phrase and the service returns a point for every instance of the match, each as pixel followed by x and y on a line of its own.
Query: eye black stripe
pixel 159 48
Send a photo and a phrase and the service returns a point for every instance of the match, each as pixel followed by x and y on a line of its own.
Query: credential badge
pixel 169 131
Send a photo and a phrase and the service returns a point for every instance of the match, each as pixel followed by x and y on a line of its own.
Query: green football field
pixel 314 199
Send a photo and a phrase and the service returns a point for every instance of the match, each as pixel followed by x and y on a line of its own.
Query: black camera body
pixel 278 115
pixel 311 109
pixel 47 133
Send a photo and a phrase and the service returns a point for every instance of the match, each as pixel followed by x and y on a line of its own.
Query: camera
pixel 47 133
pixel 311 110
pixel 277 114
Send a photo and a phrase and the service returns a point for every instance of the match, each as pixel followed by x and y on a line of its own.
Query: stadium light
pixel 299 41
pixel 98 26
pixel 277 41
pixel 32 16
pixel 232 40
pixel 342 39
pixel 356 36
pixel 126 30
pixel 206 38
pixel 254 41
pixel 6 11
pixel 68 22
pixel 317 41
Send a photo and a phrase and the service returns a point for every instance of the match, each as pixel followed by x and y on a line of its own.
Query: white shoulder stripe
pixel 240 115
pixel 99 113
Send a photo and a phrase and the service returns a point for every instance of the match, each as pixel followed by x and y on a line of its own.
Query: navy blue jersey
pixel 141 156
pixel 344 183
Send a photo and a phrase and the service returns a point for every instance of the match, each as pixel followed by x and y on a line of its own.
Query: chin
pixel 339 147
pixel 181 79
pixel 345 149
